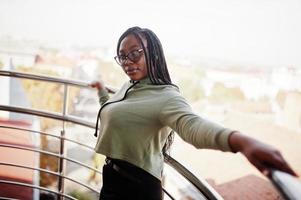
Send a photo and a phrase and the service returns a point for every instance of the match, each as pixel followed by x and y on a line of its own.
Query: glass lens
pixel 121 59
pixel 134 55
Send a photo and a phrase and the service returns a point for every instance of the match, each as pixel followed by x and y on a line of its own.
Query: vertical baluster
pixel 62 162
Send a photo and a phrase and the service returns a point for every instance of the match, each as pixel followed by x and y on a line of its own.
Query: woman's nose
pixel 127 62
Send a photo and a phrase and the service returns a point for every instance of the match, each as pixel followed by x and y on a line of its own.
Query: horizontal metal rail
pixel 288 185
pixel 47 114
pixel 50 154
pixel 36 187
pixel 48 134
pixel 51 173
pixel 49 79
pixel 42 78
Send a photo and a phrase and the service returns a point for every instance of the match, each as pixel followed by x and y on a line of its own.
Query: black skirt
pixel 122 181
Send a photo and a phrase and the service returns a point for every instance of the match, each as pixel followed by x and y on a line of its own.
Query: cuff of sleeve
pixel 224 140
pixel 102 93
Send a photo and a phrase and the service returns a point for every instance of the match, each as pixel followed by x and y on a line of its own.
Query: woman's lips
pixel 132 71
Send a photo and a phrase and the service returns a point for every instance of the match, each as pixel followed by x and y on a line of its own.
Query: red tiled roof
pixel 16 156
pixel 247 187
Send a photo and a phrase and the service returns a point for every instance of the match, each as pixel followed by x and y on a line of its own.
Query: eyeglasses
pixel 133 56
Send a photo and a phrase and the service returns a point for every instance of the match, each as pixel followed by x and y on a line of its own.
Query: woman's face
pixel 133 58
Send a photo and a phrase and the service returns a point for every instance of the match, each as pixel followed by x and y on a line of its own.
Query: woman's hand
pixel 262 156
pixel 99 85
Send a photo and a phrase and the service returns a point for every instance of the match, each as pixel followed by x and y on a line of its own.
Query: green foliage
pixel 80 195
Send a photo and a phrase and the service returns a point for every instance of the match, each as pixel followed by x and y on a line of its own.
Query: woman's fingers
pixel 97 84
pixel 283 165
pixel 94 84
pixel 261 167
pixel 271 159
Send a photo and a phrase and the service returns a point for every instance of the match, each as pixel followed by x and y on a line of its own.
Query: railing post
pixel 62 162
pixel 61 167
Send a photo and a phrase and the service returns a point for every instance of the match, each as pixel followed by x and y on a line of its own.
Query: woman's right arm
pixel 101 91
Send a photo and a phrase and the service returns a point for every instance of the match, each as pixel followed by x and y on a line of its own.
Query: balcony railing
pixel 201 189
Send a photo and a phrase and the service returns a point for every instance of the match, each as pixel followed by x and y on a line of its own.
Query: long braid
pixel 156 65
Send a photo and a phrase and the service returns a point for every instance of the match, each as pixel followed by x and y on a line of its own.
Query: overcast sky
pixel 264 32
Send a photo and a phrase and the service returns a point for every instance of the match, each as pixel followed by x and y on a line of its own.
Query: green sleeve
pixel 177 114
pixel 103 96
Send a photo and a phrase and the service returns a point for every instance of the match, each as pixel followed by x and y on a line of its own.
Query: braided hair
pixel 156 64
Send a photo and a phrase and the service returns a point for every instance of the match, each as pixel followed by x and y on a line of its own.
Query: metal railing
pixel 282 181
pixel 203 187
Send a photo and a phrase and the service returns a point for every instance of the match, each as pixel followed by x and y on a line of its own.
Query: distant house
pixel 17 58
pixel 12 93
pixel 251 83
pixel 17 157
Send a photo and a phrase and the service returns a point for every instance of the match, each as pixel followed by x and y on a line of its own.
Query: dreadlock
pixel 155 62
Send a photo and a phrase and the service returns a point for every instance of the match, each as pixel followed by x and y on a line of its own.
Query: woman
pixel 136 122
